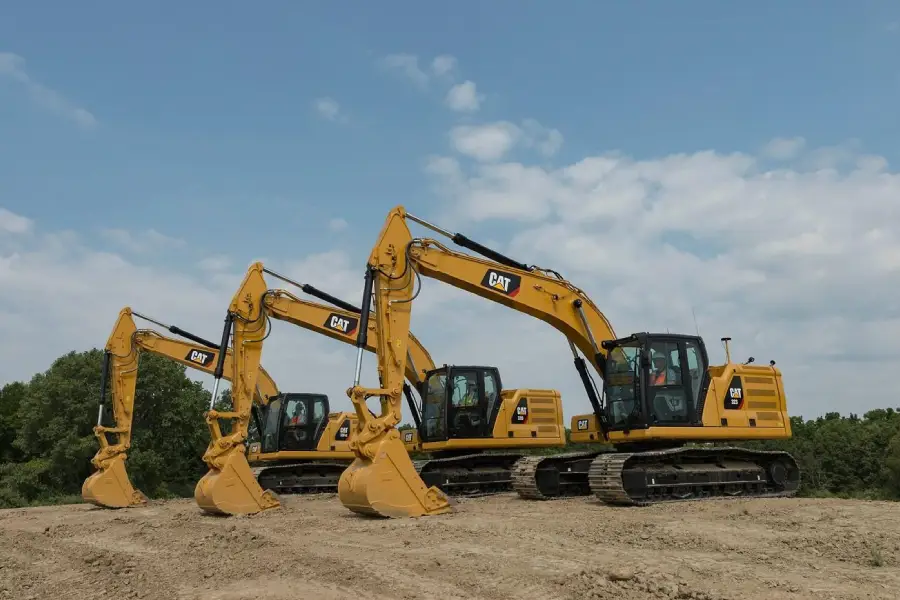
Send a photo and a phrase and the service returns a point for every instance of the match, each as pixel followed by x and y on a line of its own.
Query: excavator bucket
pixel 232 489
pixel 388 484
pixel 110 487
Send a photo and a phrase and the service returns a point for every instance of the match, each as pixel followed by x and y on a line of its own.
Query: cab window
pixel 465 390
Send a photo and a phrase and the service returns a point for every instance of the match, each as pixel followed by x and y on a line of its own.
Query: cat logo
pixel 582 424
pixel 520 416
pixel 200 357
pixel 343 432
pixel 734 399
pixel 342 324
pixel 407 437
pixel 506 283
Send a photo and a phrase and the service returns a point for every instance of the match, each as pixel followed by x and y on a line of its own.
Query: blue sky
pixel 204 116
pixel 748 134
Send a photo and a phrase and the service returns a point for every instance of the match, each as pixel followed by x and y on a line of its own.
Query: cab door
pixel 466 413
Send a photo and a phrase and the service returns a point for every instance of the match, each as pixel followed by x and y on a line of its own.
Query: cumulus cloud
pixel 13 67
pixel 10 222
pixel 328 108
pixel 485 142
pixel 784 148
pixel 64 291
pixel 337 224
pixel 142 241
pixel 464 97
pixel 215 263
pixel 443 65
pixel 798 265
pixel 441 68
pixel 492 141
pixel 408 66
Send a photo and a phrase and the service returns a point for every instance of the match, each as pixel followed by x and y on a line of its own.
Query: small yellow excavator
pixel 230 487
pixel 659 394
pixel 109 485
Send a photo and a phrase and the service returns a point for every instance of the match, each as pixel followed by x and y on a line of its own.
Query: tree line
pixel 47 442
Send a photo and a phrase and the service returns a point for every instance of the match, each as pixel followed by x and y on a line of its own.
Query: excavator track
pixel 655 476
pixel 310 477
pixel 470 475
pixel 683 474
pixel 553 476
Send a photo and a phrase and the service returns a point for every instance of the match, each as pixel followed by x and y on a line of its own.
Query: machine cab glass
pixel 654 380
pixel 293 422
pixel 459 403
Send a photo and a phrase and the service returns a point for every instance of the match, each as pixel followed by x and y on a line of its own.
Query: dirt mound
pixel 489 549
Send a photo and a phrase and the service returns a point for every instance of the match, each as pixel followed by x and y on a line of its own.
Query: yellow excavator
pixel 229 487
pixel 659 393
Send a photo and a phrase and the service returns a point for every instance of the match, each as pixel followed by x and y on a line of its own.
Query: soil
pixel 489 548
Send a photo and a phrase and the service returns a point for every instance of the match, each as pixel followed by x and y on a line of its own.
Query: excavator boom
pixel 109 486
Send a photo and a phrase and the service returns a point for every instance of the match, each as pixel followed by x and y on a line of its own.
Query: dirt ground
pixel 490 548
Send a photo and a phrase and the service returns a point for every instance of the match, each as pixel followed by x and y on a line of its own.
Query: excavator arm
pixel 229 487
pixel 110 486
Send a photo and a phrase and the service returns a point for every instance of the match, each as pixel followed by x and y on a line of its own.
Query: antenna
pixel 697 327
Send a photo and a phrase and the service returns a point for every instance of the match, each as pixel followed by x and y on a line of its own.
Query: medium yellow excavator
pixel 229 487
pixel 659 394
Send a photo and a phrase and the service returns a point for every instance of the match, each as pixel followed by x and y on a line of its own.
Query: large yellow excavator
pixel 659 393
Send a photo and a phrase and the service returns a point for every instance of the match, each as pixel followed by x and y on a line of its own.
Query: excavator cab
pixel 654 380
pixel 459 402
pixel 293 422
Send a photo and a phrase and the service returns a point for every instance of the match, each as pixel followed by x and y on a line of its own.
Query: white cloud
pixel 464 97
pixel 492 141
pixel 545 140
pixel 62 290
pixel 13 66
pixel 329 108
pixel 408 65
pixel 143 241
pixel 337 224
pixel 215 263
pixel 485 142
pixel 800 265
pixel 443 65
pixel 10 222
pixel 784 148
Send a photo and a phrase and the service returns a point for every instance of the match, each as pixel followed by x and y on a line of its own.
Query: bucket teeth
pixel 233 490
pixel 110 487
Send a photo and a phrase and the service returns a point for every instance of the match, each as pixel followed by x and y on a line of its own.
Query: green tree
pixel 56 413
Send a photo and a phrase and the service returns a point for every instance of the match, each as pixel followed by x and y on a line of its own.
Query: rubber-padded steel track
pixel 553 476
pixel 681 474
pixel 653 476
pixel 313 477
pixel 480 474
